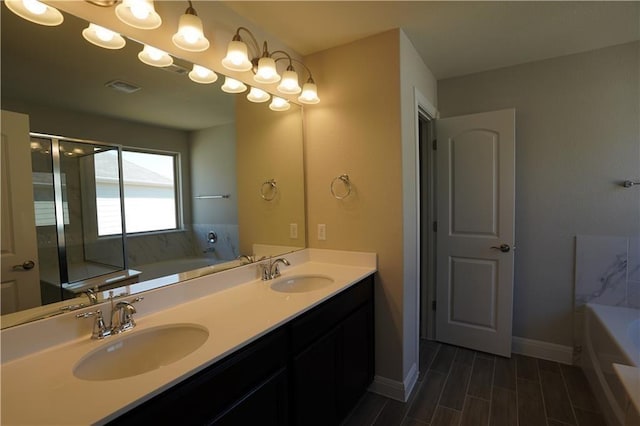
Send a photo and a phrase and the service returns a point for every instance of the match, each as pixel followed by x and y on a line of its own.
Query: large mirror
pixel 200 179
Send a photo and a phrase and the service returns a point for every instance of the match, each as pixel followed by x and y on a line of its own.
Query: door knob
pixel 503 248
pixel 26 265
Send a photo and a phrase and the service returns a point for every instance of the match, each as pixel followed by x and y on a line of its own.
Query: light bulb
pixel 309 93
pixel 289 84
pixel 35 11
pixel 140 10
pixel 258 95
pixel 266 72
pixel 200 74
pixel 279 104
pixel 190 36
pixel 103 37
pixel 233 86
pixel 237 58
pixel 155 57
pixel 138 14
pixel 103 33
pixel 35 7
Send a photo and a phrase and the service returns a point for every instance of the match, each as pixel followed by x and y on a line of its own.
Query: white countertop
pixel 38 385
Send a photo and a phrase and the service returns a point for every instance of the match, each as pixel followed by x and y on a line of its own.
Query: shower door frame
pixel 59 202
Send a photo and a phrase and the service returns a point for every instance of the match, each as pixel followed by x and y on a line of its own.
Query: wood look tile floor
pixel 461 387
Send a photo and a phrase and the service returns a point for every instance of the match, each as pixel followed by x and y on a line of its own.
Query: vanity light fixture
pixel 103 37
pixel 190 36
pixel 263 64
pixel 279 104
pixel 258 95
pixel 155 57
pixel 36 12
pixel 233 86
pixel 138 14
pixel 202 75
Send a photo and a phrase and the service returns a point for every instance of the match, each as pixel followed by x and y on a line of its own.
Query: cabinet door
pixel 314 383
pixel 266 405
pixel 356 360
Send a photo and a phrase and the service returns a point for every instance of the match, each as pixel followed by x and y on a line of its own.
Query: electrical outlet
pixel 293 230
pixel 322 231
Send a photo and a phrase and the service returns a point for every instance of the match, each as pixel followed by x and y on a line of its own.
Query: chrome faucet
pixel 270 269
pixel 249 258
pixel 121 319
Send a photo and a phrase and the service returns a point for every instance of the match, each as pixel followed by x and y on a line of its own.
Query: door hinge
pixel 434 144
pixel 435 226
pixel 433 305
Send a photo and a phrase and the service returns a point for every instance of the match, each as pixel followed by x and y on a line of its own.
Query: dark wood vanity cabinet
pixel 333 362
pixel 311 371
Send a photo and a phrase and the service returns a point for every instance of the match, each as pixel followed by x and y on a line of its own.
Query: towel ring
pixel 269 187
pixel 344 178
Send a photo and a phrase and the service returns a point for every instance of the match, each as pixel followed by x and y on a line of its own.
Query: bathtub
pixel 611 336
pixel 151 271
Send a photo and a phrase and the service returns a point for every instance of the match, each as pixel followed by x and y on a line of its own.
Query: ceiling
pixel 453 38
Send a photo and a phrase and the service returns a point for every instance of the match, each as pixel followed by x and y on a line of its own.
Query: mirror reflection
pixel 138 174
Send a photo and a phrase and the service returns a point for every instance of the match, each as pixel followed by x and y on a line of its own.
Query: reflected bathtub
pixel 611 335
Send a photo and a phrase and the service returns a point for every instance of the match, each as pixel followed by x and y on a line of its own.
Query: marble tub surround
pixel 226 247
pixel 607 270
pixel 235 306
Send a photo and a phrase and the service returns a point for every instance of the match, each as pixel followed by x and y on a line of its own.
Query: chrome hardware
pixel 505 248
pixel 121 318
pixel 93 297
pixel 26 266
pixel 344 178
pixel 269 190
pixel 630 183
pixel 270 269
pixel 100 329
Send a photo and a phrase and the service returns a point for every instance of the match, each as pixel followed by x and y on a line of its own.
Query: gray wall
pixel 577 136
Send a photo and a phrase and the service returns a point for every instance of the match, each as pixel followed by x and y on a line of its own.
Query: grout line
pixel 544 405
pixel 493 378
pixel 375 419
pixel 444 385
pixel 566 389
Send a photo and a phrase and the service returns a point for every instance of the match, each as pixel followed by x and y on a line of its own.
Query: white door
pixel 20 277
pixel 475 235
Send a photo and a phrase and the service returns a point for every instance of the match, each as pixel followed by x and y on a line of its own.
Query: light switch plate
pixel 322 231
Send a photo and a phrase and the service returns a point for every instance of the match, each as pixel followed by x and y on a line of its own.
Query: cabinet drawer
pixel 313 324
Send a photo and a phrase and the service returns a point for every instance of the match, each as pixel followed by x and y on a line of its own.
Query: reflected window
pixel 150 195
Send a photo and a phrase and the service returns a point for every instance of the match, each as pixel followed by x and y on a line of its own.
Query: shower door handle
pixel 26 266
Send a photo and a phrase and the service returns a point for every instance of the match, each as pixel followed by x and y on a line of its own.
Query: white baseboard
pixel 544 350
pixel 400 391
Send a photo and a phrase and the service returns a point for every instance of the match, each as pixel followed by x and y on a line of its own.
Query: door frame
pixel 425 110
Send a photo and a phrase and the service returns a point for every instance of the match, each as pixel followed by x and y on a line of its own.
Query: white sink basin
pixel 142 351
pixel 301 283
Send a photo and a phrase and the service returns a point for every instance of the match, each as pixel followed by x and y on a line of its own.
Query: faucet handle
pixel 100 329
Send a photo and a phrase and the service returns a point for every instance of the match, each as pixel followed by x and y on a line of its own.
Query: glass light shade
pixel 190 36
pixel 258 95
pixel 155 57
pixel 103 37
pixel 279 104
pixel 237 58
pixel 233 86
pixel 138 14
pixel 36 12
pixel 267 72
pixel 202 75
pixel 309 94
pixel 289 84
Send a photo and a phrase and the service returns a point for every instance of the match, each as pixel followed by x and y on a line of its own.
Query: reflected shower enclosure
pixel 73 180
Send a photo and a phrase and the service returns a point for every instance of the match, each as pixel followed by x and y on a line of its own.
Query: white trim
pixel 543 350
pixel 400 391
